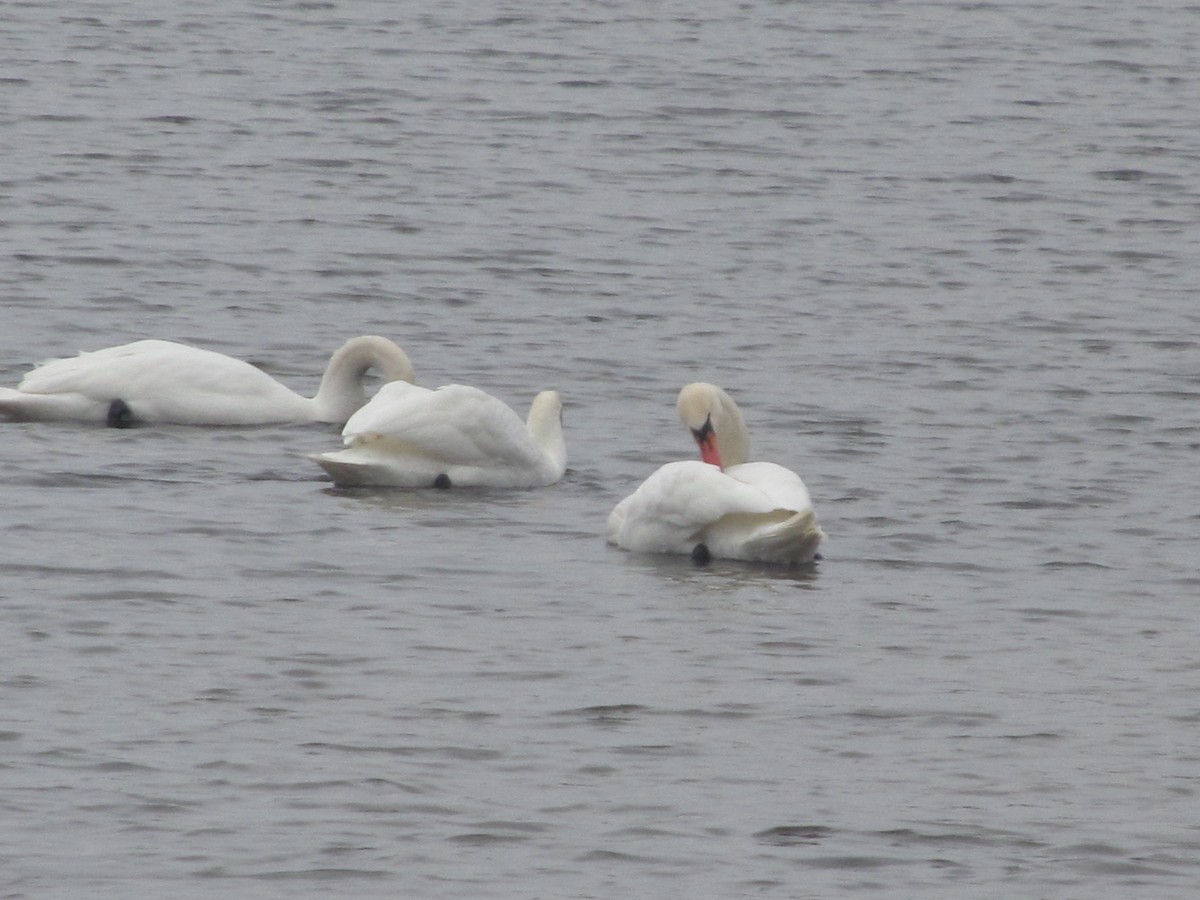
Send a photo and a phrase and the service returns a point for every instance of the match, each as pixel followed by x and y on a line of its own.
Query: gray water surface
pixel 943 254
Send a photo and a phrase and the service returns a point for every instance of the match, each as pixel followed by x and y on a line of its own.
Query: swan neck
pixel 733 442
pixel 545 426
pixel 716 423
pixel 341 392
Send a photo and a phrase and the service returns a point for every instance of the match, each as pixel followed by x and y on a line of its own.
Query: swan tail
pixel 369 466
pixel 348 469
pixel 22 406
pixel 10 403
pixel 786 537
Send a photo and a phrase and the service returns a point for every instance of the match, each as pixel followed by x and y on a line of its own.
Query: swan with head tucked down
pixel 719 506
pixel 155 381
pixel 455 436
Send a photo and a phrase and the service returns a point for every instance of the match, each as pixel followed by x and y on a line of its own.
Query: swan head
pixel 716 423
pixel 342 392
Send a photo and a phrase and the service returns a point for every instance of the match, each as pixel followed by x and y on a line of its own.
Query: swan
pixel 719 506
pixel 410 436
pixel 156 381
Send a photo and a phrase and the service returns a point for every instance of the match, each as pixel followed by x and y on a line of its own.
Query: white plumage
pixel 154 381
pixel 719 506
pixel 410 436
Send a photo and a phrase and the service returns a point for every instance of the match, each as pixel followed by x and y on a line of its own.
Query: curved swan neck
pixel 716 423
pixel 341 392
pixel 545 425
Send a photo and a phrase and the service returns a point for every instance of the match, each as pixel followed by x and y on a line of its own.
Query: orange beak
pixel 706 438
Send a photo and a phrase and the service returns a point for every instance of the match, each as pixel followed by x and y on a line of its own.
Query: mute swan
pixel 720 506
pixel 409 436
pixel 165 382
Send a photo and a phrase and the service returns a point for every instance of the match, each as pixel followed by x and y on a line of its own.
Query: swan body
pixel 455 436
pixel 155 381
pixel 719 506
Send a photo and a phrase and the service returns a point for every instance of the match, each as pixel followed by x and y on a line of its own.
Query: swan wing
pixel 688 503
pixel 455 424
pixel 670 510
pixel 140 368
pixel 782 486
pixel 166 381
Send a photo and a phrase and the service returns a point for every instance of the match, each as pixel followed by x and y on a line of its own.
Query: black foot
pixel 119 415
pixel 442 482
pixel 700 555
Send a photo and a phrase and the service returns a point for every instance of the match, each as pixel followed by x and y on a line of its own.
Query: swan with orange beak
pixel 720 506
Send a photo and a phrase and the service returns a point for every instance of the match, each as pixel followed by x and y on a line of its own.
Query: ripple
pixel 475 696
pixel 795 835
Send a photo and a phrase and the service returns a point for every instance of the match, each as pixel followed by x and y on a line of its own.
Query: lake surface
pixel 943 254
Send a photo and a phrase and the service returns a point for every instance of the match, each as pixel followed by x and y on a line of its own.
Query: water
pixel 942 253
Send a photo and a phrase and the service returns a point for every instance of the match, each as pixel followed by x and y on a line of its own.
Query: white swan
pixel 164 382
pixel 720 506
pixel 409 436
